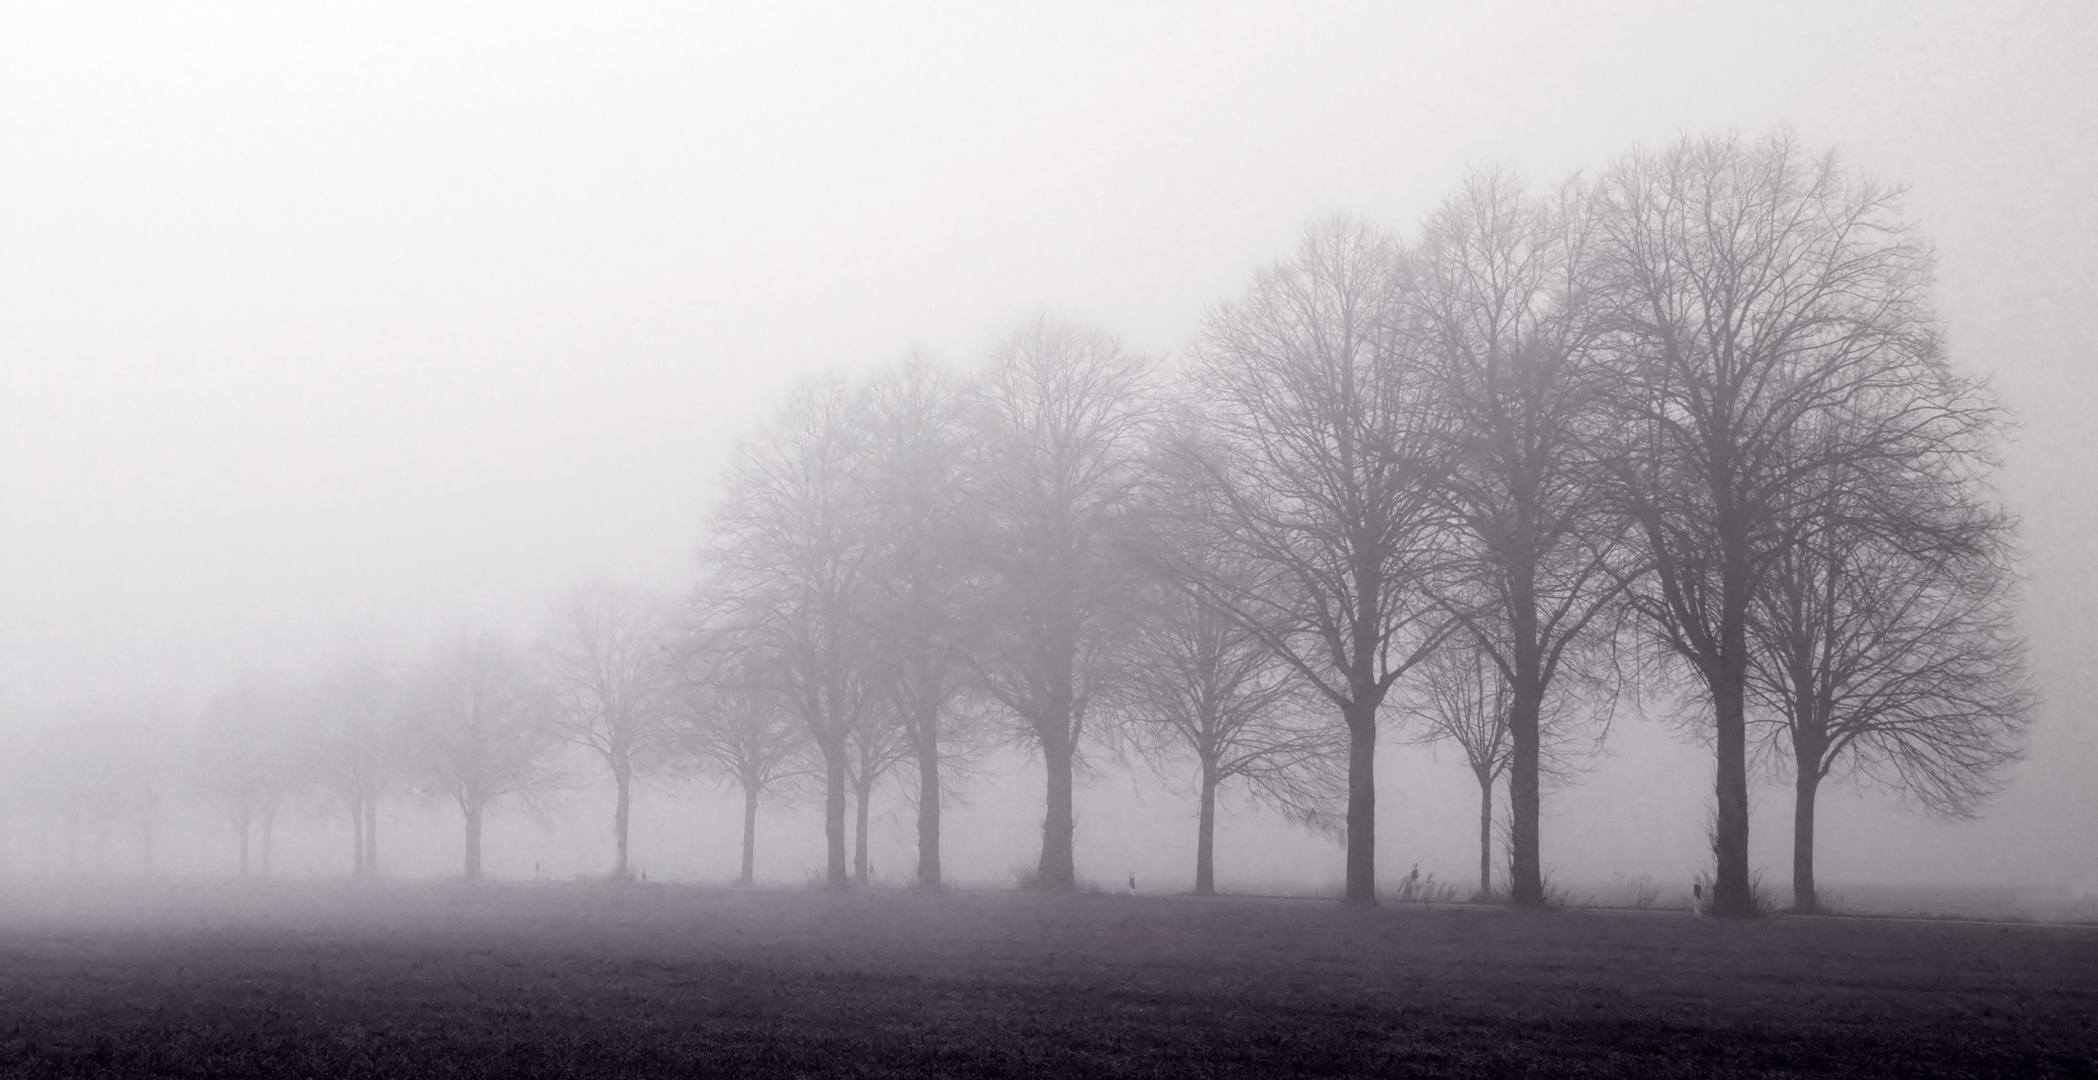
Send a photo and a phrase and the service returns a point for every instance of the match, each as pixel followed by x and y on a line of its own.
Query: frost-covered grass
pixel 592 980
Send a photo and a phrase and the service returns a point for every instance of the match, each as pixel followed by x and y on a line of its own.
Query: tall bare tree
pixel 1198 682
pixel 789 540
pixel 918 570
pixel 1061 415
pixel 608 674
pixel 1506 287
pixel 482 723
pixel 1320 460
pixel 1887 643
pixel 1759 294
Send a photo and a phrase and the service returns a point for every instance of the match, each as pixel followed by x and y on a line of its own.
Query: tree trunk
pixel 1486 834
pixel 834 817
pixel 863 793
pixel 473 843
pixel 371 835
pixel 1362 806
pixel 1206 833
pixel 357 836
pixel 929 812
pixel 269 833
pixel 1804 898
pixel 1732 896
pixel 1057 872
pixel 750 832
pixel 623 779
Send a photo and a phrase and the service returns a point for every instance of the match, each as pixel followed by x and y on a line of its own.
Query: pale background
pixel 394 318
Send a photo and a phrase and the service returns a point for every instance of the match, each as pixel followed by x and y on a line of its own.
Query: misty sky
pixel 393 317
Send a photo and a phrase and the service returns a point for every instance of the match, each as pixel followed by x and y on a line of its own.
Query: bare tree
pixel 1887 644
pixel 736 725
pixel 918 602
pixel 1198 682
pixel 359 748
pixel 1463 696
pixel 608 675
pixel 1061 414
pixel 483 729
pixel 1320 465
pixel 243 757
pixel 878 744
pixel 1506 281
pixel 790 545
pixel 1757 292
pixel 98 769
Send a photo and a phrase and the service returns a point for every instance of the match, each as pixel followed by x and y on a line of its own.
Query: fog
pixel 320 327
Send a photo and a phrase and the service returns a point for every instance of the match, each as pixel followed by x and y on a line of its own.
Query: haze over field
pixel 319 326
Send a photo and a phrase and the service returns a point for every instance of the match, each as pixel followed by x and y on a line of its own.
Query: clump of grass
pixel 1415 889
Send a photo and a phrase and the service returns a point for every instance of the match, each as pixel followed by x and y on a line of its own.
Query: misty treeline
pixel 1680 431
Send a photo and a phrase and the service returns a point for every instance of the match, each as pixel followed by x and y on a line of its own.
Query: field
pixel 306 979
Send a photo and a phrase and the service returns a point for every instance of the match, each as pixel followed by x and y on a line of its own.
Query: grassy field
pixel 313 980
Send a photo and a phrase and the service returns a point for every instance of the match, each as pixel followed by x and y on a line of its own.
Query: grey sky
pixel 317 319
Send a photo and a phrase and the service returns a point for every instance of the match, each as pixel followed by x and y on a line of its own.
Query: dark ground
pixel 313 980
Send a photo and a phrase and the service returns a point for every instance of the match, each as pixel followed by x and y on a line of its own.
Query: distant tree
pixel 1887 643
pixel 1463 697
pixel 97 769
pixel 918 600
pixel 483 727
pixel 1770 314
pixel 1061 418
pixel 1197 682
pixel 790 544
pixel 609 677
pixel 735 724
pixel 359 750
pixel 1507 282
pixel 1319 454
pixel 244 759
pixel 878 744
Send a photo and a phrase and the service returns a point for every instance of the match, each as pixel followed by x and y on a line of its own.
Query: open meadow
pixel 276 979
